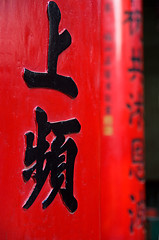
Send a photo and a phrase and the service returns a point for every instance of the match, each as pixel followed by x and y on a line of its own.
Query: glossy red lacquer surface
pixel 24 38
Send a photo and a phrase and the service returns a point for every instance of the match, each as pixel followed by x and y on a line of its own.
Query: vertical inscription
pixel 107 71
pixel 135 111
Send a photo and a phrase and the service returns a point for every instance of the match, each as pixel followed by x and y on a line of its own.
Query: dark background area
pixel 151 70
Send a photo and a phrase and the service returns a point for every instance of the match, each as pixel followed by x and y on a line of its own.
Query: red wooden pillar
pixel 122 158
pixel 24 41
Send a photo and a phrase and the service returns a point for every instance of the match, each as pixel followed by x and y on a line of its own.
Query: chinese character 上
pixel 57 44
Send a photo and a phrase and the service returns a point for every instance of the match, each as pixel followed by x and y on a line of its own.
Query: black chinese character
pixel 108 110
pixel 108 37
pixel 137 214
pixel 137 64
pixel 135 20
pixel 44 163
pixel 140 209
pixel 137 149
pixel 57 44
pixel 137 157
pixel 131 214
pixel 136 109
pixel 107 7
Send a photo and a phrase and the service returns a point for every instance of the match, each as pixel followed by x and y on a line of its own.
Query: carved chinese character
pixel 137 64
pixel 42 163
pixel 137 212
pixel 134 18
pixel 57 44
pixel 136 109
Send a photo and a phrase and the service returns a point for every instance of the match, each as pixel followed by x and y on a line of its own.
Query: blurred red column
pixel 122 154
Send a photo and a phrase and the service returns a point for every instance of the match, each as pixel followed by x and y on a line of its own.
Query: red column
pixel 24 44
pixel 122 160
